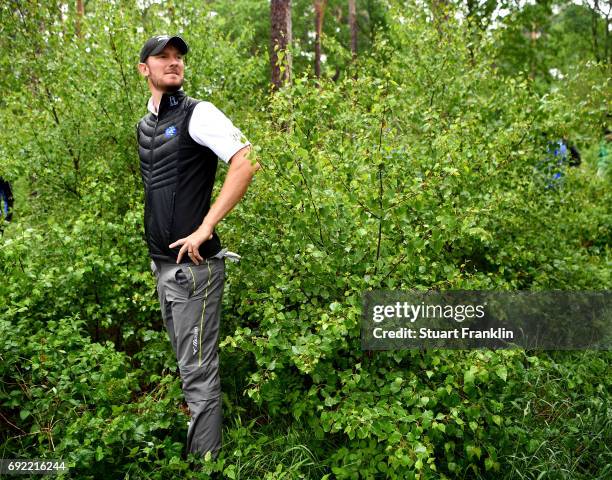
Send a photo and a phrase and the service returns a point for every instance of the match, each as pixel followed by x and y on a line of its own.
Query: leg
pixel 194 294
pixel 204 432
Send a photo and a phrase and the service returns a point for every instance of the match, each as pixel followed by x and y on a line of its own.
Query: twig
pixel 12 425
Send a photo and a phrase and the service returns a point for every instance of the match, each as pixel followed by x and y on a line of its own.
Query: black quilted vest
pixel 178 176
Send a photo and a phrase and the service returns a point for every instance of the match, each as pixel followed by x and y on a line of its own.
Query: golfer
pixel 179 142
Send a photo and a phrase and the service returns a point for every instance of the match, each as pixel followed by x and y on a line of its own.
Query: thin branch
pixel 118 60
pixel 12 425
pixel 380 194
pixel 314 206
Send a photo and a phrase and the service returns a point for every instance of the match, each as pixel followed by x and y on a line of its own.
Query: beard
pixel 160 85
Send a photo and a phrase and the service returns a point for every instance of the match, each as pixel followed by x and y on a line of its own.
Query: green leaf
pixel 99 453
pixel 469 375
pixel 502 372
pixel 230 471
pixel 473 451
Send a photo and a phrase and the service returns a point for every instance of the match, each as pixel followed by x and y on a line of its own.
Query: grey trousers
pixel 190 300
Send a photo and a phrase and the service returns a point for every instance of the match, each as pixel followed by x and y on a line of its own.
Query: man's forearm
pixel 234 187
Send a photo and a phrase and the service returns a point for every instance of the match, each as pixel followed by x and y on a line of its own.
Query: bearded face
pixel 166 70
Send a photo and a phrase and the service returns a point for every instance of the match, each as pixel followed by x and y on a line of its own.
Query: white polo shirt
pixel 210 128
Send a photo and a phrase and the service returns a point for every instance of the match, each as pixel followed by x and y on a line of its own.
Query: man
pixel 179 141
pixel 6 201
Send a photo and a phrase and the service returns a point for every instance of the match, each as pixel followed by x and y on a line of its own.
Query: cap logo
pixel 162 37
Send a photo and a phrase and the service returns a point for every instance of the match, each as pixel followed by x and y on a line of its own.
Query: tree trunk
pixel 80 10
pixel 607 40
pixel 280 39
pixel 319 6
pixel 352 20
pixel 439 10
pixel 594 18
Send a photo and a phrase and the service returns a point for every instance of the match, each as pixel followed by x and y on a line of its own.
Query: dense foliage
pixel 409 167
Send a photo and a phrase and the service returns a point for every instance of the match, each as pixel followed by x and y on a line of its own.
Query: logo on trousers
pixel 195 340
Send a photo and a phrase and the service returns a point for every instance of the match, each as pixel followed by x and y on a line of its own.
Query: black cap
pixel 156 44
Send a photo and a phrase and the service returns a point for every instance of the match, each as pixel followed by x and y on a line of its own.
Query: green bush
pixel 413 170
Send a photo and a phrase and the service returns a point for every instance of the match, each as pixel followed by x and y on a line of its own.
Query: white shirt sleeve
pixel 209 127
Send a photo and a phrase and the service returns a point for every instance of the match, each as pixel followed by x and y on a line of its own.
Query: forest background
pixel 398 141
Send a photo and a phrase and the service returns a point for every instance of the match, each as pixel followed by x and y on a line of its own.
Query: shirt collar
pixel 151 107
pixel 168 100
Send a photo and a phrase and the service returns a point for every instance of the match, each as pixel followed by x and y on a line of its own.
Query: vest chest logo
pixel 173 102
pixel 170 132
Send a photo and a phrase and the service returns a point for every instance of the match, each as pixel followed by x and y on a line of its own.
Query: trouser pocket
pixel 185 278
